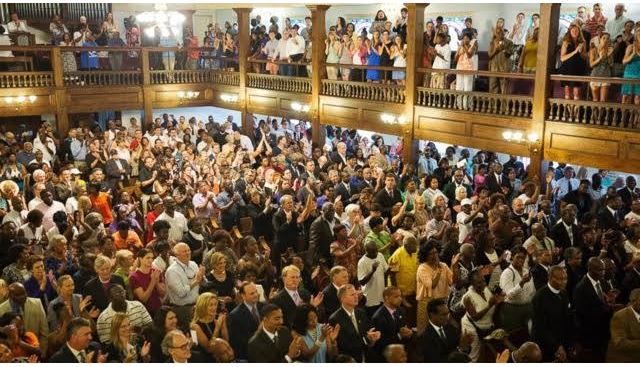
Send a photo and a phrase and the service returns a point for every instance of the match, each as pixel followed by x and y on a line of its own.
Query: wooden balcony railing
pixel 194 77
pixel 231 78
pixel 26 79
pixel 102 78
pixel 279 83
pixel 481 102
pixel 370 91
pixel 609 114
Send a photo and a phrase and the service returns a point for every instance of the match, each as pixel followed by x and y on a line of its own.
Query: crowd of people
pixel 184 240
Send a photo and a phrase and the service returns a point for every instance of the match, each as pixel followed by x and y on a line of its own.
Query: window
pixel 360 22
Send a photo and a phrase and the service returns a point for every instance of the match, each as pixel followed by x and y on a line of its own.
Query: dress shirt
pixel 78 150
pixel 295 296
pixel 595 284
pixel 615 26
pixel 12 27
pixel 295 45
pixel 439 330
pixel 510 283
pixel 178 277
pixel 80 355
pixel 563 186
pixel 555 291
pixel 569 232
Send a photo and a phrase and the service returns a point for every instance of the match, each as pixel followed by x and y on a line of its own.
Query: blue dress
pixel 321 354
pixel 632 71
pixel 373 60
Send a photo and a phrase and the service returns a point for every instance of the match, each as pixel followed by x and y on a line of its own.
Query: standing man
pixel 273 343
pixel 183 283
pixel 78 336
pixel 295 50
pixel 390 320
pixel 290 297
pixel 321 235
pixel 243 320
pixel 388 196
pixel 624 346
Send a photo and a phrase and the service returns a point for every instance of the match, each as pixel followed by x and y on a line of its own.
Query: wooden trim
pixel 415 26
pixel 318 68
pixel 243 53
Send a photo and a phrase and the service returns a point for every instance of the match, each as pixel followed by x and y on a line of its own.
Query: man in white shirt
pixel 615 25
pixel 466 217
pixel 442 60
pixel 371 270
pixel 44 143
pixel 295 50
pixel 5 41
pixel 519 289
pixel 176 220
pixel 49 207
pixel 138 315
pixel 183 283
pixel 16 24
pixel 78 339
pixel 518 31
pixel 17 215
pixel 634 215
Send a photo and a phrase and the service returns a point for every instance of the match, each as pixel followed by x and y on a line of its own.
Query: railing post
pixel 318 66
pixel 243 54
pixel 547 39
pixel 415 26
pixel 147 92
pixel 62 117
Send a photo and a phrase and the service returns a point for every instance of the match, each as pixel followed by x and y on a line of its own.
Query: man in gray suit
pixel 31 310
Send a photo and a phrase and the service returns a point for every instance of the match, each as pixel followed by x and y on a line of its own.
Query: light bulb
pixel 21 99
pixel 402 120
pixel 517 136
pixel 507 135
pixel 180 94
pixel 533 137
pixel 32 99
pixel 8 99
pixel 296 106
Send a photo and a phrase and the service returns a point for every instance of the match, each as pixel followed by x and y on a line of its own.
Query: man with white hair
pixel 615 25
pixel 183 283
pixel 80 36
pixel 341 155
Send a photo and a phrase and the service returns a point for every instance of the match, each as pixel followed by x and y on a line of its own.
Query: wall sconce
pixel 532 140
pixel 299 107
pixel 229 98
pixel 188 94
pixel 390 119
pixel 19 101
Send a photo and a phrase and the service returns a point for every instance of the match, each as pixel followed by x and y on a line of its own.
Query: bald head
pixel 528 352
pixel 17 294
pixel 595 268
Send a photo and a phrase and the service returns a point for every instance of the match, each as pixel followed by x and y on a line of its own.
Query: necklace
pixel 314 334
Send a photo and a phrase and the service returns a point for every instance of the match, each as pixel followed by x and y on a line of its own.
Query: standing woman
pixel 229 49
pixel 398 56
pixel 529 55
pixel 434 280
pixel 601 61
pixel 385 55
pixel 121 349
pixel 573 55
pixel 373 59
pixel 346 56
pixel 319 339
pixel 208 324
pixel 341 27
pixel 359 58
pixel 378 22
pixel 631 63
pixel 464 61
pixel 332 49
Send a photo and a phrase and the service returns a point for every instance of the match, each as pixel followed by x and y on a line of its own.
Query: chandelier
pixel 166 21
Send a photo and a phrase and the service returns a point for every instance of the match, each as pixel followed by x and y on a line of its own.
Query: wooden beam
pixel 318 68
pixel 62 117
pixel 244 38
pixel 545 64
pixel 415 26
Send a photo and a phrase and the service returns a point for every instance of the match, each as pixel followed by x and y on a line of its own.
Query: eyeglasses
pixel 185 346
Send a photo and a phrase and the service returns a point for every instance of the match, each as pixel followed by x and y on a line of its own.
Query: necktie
pixel 599 291
pixel 275 339
pixel 83 356
pixel 441 332
pixel 254 312
pixel 354 321
pixel 570 186
pixel 296 298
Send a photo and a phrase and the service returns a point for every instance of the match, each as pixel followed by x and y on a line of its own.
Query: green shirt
pixel 381 239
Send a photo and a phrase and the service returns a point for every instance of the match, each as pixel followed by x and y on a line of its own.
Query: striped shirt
pixel 138 317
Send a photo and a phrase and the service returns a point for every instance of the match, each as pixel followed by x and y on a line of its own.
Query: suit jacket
pixel 548 222
pixel 561 237
pixel 351 341
pixel 387 201
pixel 241 326
pixel 34 318
pixel 100 296
pixel 540 276
pixel 551 321
pixel 606 220
pixel 284 300
pixel 389 328
pixel 434 349
pixel 286 234
pixel 627 198
pixel 113 173
pixel 337 159
pixel 343 192
pixel 330 301
pixel 592 315
pixel 263 350
pixel 63 355
pixel 493 184
pixel 630 282
pixel 624 346
pixel 320 238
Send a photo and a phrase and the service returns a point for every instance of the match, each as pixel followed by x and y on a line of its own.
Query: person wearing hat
pixel 466 217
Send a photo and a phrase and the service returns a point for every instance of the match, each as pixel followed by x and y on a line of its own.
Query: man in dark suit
pixel 273 343
pixel 440 337
pixel 290 297
pixel 78 335
pixel 343 189
pixel 177 346
pixel 285 228
pixel 581 198
pixel 356 334
pixel 593 312
pixel 243 320
pixel 551 318
pixel 388 196
pixel 390 321
pixel 321 236
pixel 449 188
pixel 338 276
pixel 566 233
pixel 609 217
pixel 366 181
pixel 117 170
pixel 540 272
pixel 98 287
pixel 545 216
pixel 630 282
pixel 340 156
pixel 628 193
pixel 495 179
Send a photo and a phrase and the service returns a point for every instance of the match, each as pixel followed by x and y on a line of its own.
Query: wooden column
pixel 546 57
pixel 244 38
pixel 415 26
pixel 62 117
pixel 318 68
pixel 147 93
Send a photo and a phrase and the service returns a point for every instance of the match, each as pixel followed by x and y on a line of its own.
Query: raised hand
pixel 85 302
pixel 317 300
